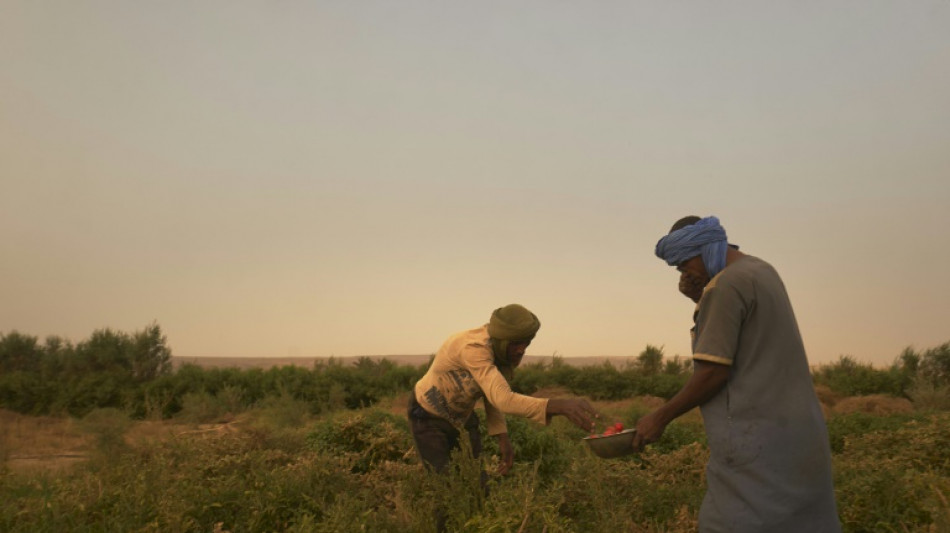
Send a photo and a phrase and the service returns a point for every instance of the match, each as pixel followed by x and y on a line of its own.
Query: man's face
pixel 693 277
pixel 516 352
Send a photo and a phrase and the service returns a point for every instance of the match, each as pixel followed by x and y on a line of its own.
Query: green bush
pixel 848 377
pixel 935 365
pixel 601 382
pixel 369 436
pixel 679 434
pixel 843 427
pixel 203 407
pixel 132 372
pixel 928 396
pixel 107 370
pixel 890 478
pixel 283 411
pixel 550 449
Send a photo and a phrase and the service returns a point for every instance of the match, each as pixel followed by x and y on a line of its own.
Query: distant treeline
pixel 133 372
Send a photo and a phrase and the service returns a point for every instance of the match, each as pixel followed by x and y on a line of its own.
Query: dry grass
pixel 43 443
pixel 397 405
pixel 40 442
pixel 826 396
pixel 875 404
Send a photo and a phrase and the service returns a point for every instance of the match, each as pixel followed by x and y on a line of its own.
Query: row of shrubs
pixel 849 377
pixel 133 372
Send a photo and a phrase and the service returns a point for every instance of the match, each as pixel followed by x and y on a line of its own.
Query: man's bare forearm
pixel 707 380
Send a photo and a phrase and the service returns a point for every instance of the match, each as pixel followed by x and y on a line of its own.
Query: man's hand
pixel 507 453
pixel 649 429
pixel 707 380
pixel 692 285
pixel 578 411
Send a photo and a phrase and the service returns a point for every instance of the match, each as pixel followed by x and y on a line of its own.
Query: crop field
pixel 279 468
pixel 108 435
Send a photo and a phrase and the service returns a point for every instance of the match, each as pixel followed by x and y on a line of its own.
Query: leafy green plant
pixel 928 396
pixel 891 479
pixel 369 436
pixel 204 407
pixel 841 428
pixel 848 377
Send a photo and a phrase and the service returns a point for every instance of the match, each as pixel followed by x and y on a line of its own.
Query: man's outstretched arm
pixel 707 380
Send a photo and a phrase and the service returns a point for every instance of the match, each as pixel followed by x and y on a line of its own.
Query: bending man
pixel 478 364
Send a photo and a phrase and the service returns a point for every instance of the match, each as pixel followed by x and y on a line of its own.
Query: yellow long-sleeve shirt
pixel 463 372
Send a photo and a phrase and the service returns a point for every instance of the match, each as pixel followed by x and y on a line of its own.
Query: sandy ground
pixel 32 442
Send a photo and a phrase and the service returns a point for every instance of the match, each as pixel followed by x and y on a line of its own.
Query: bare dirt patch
pixel 44 443
pixel 40 442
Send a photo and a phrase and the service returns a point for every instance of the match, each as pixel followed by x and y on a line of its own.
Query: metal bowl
pixel 610 446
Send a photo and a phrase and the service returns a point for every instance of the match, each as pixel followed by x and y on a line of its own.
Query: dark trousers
pixel 435 440
pixel 436 437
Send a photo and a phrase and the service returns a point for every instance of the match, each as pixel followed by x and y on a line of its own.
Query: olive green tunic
pixel 770 462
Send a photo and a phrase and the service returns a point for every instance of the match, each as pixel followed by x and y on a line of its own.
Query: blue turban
pixel 706 238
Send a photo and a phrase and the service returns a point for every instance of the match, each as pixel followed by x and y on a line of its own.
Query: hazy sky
pixel 311 178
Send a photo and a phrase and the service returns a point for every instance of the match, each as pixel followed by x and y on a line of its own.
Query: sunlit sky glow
pixel 363 178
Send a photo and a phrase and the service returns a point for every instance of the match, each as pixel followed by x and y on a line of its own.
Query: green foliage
pixel 459 493
pixel 550 448
pixel 679 434
pixel 650 360
pixel 107 370
pixel 517 505
pixel 935 365
pixel 928 396
pixel 848 377
pixel 890 475
pixel 203 407
pixel 283 411
pixel 924 375
pixel 354 468
pixel 602 382
pixel 369 436
pixel 108 427
pixel 19 353
pixel 23 392
pixel 843 427
pixel 649 376
pixel 132 372
pixel 185 486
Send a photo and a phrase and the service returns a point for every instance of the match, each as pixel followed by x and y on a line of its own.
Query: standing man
pixel 770 462
pixel 477 364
